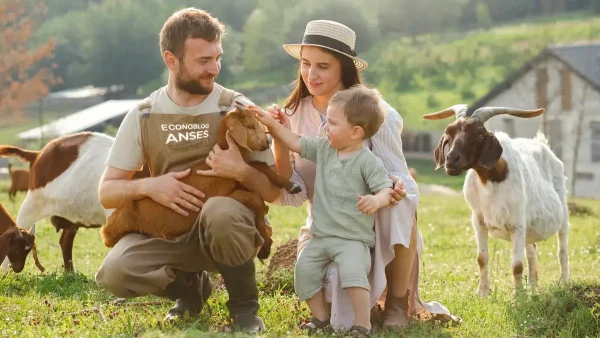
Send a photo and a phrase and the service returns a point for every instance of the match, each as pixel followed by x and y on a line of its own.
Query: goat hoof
pixel 263 253
pixel 295 189
pixel 484 292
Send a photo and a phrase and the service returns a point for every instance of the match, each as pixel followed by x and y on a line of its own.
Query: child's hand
pixel 368 204
pixel 279 115
pixel 263 117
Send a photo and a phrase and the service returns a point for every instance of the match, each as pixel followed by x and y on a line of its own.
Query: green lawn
pixel 55 304
pixel 428 175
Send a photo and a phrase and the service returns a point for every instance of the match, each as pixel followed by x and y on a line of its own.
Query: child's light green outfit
pixel 340 232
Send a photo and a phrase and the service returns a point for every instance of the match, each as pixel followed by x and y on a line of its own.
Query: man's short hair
pixel 188 23
pixel 362 107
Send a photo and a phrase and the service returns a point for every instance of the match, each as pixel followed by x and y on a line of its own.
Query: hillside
pixel 436 71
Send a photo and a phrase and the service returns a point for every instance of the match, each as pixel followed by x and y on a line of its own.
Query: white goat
pixel 516 188
pixel 64 186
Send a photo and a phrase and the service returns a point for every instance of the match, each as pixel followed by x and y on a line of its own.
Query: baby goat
pixel 19 181
pixel 516 188
pixel 15 242
pixel 151 218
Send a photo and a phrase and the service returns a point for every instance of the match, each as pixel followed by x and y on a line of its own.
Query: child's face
pixel 340 132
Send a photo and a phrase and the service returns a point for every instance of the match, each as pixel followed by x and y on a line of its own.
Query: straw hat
pixel 331 35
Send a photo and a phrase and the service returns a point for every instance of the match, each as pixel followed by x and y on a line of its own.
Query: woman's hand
pixel 277 114
pixel 399 190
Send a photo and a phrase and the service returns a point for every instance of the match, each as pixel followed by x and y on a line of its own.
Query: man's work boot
pixel 240 282
pixel 190 291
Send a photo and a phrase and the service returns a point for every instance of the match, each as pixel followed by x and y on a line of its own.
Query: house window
pixel 555 137
pixel 584 176
pixel 542 87
pixel 595 141
pixel 509 126
pixel 565 89
pixel 416 142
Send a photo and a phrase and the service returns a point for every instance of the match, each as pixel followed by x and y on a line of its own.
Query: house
pixel 564 79
pixel 94 118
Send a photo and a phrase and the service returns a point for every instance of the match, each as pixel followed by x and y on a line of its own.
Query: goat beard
pixel 191 86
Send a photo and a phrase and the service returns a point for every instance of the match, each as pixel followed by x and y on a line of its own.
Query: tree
pixel 483 16
pixel 123 44
pixel 25 73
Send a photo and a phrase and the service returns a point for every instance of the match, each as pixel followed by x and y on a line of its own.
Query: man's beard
pixel 191 86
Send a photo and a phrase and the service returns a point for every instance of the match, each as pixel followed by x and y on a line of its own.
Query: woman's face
pixel 321 72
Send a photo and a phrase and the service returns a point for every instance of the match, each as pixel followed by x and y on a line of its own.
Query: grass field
pixel 56 304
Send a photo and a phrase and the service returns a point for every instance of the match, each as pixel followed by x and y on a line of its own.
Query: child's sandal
pixel 359 331
pixel 314 324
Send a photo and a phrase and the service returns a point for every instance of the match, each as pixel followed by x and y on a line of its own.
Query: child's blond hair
pixel 362 107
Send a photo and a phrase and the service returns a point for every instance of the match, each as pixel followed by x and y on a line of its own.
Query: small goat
pixel 19 181
pixel 151 218
pixel 516 188
pixel 64 186
pixel 15 242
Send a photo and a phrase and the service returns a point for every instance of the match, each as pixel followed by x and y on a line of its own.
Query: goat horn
pixel 460 110
pixel 18 233
pixel 485 113
pixel 32 231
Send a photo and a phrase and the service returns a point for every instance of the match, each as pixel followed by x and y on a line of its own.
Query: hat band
pixel 328 42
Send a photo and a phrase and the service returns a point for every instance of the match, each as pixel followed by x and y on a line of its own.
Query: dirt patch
pixel 579 210
pixel 284 257
pixel 588 294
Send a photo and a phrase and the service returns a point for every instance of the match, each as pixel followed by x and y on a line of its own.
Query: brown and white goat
pixel 64 186
pixel 516 188
pixel 19 181
pixel 151 218
pixel 15 242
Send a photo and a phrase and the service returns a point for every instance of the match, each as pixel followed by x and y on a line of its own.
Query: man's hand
pixel 172 193
pixel 225 163
pixel 399 191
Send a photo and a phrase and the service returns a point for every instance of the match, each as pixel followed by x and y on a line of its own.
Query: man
pixel 175 126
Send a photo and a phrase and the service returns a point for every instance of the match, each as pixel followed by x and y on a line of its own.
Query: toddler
pixel 351 184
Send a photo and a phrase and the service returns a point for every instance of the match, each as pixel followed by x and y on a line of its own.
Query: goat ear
pixel 438 153
pixel 490 152
pixel 238 132
pixel 5 242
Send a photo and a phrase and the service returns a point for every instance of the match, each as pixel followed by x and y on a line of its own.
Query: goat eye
pixel 252 127
pixel 481 137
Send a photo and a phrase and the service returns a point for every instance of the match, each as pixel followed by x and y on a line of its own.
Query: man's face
pixel 200 66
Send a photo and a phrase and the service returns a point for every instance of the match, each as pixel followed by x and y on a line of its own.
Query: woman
pixel 329 64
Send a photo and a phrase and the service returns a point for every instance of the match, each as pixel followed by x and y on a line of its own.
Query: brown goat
pixel 16 242
pixel 151 218
pixel 19 178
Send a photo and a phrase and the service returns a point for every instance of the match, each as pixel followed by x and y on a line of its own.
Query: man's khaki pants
pixel 139 265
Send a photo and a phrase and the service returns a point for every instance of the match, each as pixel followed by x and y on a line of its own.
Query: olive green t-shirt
pixel 338 183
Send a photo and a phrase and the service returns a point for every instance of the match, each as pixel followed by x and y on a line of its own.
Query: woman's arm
pixel 387 145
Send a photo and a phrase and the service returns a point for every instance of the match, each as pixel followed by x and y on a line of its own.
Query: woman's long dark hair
pixel 350 77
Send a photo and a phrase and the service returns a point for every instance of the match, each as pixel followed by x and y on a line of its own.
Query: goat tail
pixel 25 155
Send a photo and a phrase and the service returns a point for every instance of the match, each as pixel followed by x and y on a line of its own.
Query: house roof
pixel 81 120
pixel 581 58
